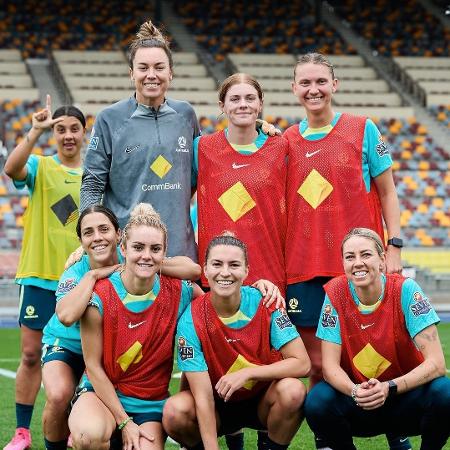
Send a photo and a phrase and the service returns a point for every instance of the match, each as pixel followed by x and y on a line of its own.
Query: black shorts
pixel 37 306
pixel 236 415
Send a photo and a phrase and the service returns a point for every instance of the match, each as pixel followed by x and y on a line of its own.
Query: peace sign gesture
pixel 43 118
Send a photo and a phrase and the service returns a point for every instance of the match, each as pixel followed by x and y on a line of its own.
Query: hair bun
pixel 148 31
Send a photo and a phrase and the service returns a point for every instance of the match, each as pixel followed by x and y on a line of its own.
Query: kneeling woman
pixel 127 335
pixel 382 359
pixel 228 346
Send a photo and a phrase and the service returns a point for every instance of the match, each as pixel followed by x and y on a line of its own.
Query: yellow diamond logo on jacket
pixel 132 356
pixel 242 363
pixel 370 363
pixel 161 166
pixel 315 189
pixel 66 210
pixel 236 201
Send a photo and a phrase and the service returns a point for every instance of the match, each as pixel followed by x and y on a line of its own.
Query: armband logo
pixel 283 321
pixel 66 286
pixel 421 306
pixel 185 351
pixel 93 143
pixel 328 319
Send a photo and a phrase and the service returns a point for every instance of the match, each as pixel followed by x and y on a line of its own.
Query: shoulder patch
pixel 66 286
pixel 283 321
pixel 328 320
pixel 382 148
pixel 421 306
pixel 93 143
pixel 185 351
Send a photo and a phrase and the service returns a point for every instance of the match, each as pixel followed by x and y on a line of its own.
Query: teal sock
pixel 60 445
pixel 23 415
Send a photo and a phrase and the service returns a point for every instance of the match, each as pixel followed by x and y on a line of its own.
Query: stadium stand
pixel 394 29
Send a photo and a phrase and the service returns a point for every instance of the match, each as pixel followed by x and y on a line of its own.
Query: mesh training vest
pixel 326 198
pixel 375 345
pixel 138 347
pixel 244 194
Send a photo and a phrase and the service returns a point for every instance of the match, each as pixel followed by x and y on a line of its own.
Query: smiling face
pixel 242 105
pixel 98 239
pixel 314 87
pixel 362 263
pixel 69 135
pixel 226 270
pixel 143 251
pixel 151 75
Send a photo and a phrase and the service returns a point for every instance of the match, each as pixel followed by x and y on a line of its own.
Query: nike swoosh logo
pixel 308 155
pixel 363 327
pixel 69 182
pixel 131 148
pixel 239 166
pixel 135 325
pixel 403 440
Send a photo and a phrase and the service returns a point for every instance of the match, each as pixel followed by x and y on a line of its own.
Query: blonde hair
pixel 314 58
pixel 238 78
pixel 144 214
pixel 365 233
pixel 149 36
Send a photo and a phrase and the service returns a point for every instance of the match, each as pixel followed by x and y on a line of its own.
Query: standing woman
pixel 49 238
pixel 383 364
pixel 127 335
pixel 339 177
pixel 148 139
pixel 242 180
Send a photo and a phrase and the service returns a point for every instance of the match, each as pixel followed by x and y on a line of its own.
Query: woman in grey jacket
pixel 141 147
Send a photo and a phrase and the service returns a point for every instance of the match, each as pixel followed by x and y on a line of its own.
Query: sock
pixel 398 442
pixel 59 445
pixel 23 415
pixel 235 441
pixel 271 445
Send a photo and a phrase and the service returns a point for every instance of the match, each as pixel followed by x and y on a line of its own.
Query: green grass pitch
pixel 9 359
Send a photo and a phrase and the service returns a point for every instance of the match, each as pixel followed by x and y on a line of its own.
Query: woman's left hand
pixel 231 382
pixel 371 394
pixel 393 260
pixel 268 128
pixel 271 293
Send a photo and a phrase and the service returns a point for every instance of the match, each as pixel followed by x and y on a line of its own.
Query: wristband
pixel 355 388
pixel 123 423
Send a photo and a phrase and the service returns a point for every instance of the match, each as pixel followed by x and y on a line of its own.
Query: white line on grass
pixel 8 373
pixel 9 360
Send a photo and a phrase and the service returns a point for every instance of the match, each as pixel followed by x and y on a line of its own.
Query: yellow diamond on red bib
pixel 315 188
pixel 161 166
pixel 132 356
pixel 242 363
pixel 370 363
pixel 236 201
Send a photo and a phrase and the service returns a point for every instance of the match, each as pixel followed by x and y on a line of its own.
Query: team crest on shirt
pixel 283 321
pixel 293 305
pixel 185 351
pixel 381 148
pixel 421 306
pixel 328 319
pixel 66 286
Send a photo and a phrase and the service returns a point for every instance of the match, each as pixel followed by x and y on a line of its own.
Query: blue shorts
pixel 37 306
pixel 56 353
pixel 304 301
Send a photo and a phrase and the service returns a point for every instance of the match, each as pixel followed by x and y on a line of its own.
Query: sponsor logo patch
pixel 182 145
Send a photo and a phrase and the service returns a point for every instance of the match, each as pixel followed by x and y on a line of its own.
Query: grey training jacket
pixel 137 154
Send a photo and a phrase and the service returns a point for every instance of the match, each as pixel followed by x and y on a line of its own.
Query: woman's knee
pixel 439 392
pixel 317 400
pixel 178 411
pixel 291 394
pixel 84 440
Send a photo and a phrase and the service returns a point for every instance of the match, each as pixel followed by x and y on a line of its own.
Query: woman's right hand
pixel 74 257
pixel 42 119
pixel 131 433
pixel 104 272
